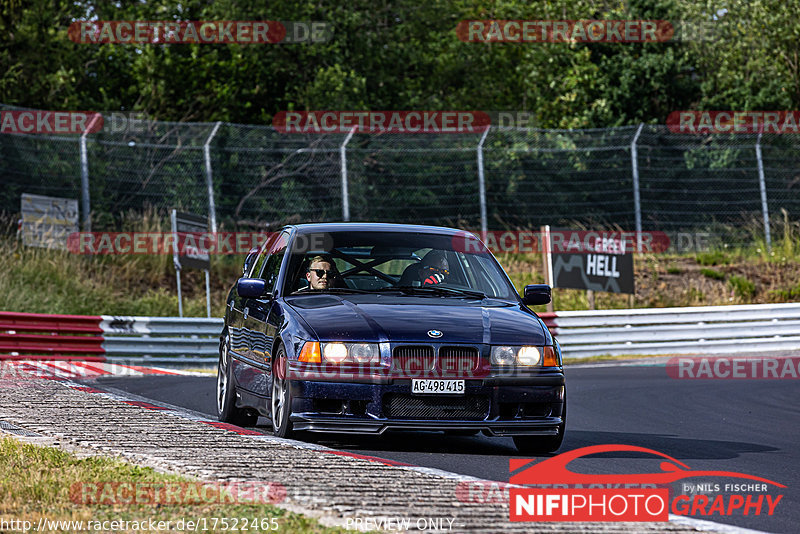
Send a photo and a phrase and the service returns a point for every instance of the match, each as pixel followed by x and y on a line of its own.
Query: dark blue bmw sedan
pixel 360 327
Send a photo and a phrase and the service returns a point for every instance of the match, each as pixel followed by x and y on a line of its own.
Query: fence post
pixel 762 185
pixel 212 207
pixel 343 158
pixel 85 201
pixel 482 186
pixel 637 202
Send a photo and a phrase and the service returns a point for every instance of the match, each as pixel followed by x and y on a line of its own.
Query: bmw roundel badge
pixel 434 333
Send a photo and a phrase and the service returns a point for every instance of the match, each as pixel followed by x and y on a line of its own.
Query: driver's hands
pixel 433 279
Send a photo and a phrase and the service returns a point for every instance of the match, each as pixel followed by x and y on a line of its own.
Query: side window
pixel 272 266
pixel 263 255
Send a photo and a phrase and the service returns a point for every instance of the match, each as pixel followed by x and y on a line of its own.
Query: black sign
pixel 191 245
pixel 604 266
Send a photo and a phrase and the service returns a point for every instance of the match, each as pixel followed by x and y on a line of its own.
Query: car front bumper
pixel 497 406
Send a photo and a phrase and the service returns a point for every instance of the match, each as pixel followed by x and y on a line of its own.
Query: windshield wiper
pixel 434 290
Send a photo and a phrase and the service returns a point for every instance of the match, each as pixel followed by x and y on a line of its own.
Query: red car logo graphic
pixel 554 471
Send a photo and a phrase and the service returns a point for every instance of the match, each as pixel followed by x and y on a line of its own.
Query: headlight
pixel 350 352
pixel 526 356
pixel 334 352
pixel 503 355
pixel 363 352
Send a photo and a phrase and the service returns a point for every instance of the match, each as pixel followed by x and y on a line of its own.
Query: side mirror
pixel 254 288
pixel 536 294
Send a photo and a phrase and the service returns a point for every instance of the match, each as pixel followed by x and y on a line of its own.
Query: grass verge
pixel 52 281
pixel 37 482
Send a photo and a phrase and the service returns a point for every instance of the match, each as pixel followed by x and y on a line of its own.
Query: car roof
pixel 374 227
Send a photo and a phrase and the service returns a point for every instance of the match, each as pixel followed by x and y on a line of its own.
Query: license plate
pixel 437 387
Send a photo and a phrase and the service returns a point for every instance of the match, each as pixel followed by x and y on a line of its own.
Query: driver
pixel 320 273
pixel 434 268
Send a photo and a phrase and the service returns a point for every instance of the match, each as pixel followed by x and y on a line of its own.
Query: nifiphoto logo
pixel 548 490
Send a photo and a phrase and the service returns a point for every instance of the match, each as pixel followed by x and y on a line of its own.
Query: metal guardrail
pixel 697 330
pixel 161 339
pixel 121 338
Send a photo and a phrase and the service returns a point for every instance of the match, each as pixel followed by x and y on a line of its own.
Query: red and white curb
pixel 85 370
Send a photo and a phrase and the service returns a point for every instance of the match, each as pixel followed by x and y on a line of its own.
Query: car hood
pixel 409 318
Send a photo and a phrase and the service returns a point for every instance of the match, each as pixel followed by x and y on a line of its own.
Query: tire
pixel 280 399
pixel 543 444
pixel 227 412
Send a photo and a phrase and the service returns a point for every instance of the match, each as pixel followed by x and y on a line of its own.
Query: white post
pixel 85 201
pixel 637 203
pixel 212 208
pixel 762 184
pixel 175 260
pixel 547 257
pixel 208 296
pixel 343 158
pixel 482 186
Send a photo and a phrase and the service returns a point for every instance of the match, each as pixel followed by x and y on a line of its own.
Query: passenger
pixel 434 268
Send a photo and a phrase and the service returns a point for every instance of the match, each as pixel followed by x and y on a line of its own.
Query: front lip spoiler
pixel 539 427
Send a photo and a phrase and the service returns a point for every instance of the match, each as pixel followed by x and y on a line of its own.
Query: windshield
pixel 409 263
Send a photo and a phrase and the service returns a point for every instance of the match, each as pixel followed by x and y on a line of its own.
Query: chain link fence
pixel 732 187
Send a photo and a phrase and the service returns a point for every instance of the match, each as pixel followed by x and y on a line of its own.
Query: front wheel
pixel 281 397
pixel 227 411
pixel 543 444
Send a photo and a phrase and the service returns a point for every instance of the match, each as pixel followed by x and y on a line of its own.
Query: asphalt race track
pixel 745 426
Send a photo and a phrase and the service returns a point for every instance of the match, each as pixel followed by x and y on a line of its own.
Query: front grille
pixel 413 358
pixel 469 407
pixel 458 360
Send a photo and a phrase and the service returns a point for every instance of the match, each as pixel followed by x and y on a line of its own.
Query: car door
pixel 260 320
pixel 245 369
pixel 239 344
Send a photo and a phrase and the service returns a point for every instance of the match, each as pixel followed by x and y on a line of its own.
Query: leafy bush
pixel 711 273
pixel 743 287
pixel 716 257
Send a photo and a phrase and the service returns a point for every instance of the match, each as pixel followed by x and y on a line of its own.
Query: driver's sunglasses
pixel 322 272
pixel 438 270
